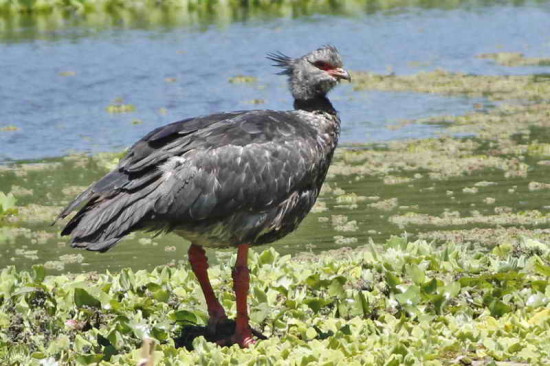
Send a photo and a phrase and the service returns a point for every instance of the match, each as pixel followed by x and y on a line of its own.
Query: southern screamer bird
pixel 235 179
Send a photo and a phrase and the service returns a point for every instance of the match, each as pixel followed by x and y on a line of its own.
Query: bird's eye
pixel 323 65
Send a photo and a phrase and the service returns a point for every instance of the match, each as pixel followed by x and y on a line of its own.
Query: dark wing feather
pixel 192 170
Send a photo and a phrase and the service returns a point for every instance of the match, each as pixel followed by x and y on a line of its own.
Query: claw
pixel 244 340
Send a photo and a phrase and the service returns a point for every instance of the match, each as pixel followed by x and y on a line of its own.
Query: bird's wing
pixel 196 169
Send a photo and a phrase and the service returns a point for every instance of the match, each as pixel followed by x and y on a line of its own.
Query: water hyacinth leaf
pixel 259 295
pixel 126 279
pixel 268 256
pixel 314 281
pixel 361 303
pixel 430 287
pixel 89 359
pixel 7 202
pixel 26 290
pixel 540 317
pixel 153 287
pixel 82 298
pixel 392 281
pixel 415 273
pixel 410 297
pixel 260 313
pixel 115 338
pixel 316 304
pixel 38 273
pixel 161 295
pixel 542 269
pixel 283 283
pixel 438 302
pixel 336 287
pixel 184 317
pixel 451 290
pixel 537 300
pixel 160 334
pixel 356 306
pixel 498 308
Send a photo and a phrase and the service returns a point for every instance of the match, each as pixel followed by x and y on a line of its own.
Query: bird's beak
pixel 340 74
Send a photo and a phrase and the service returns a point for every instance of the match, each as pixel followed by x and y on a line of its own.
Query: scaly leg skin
pixel 241 285
pixel 241 278
pixel 199 265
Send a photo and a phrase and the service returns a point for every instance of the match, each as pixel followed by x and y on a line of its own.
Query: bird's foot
pixel 244 339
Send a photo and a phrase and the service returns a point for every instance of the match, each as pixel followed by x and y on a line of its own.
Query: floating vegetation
pixel 120 108
pixel 9 128
pixel 537 186
pixel 523 87
pixel 34 213
pixel 255 101
pixel 526 218
pixel 243 79
pixel 67 73
pixel 490 237
pixel 7 204
pixel 401 302
pixel 385 205
pixel 515 59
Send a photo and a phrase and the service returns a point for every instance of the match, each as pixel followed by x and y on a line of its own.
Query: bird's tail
pixel 104 221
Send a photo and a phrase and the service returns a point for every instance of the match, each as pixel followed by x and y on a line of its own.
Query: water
pixel 57 82
pixel 169 73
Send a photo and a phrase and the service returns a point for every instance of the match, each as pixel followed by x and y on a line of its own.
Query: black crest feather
pixel 281 60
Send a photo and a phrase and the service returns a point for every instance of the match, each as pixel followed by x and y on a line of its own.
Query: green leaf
pixel 336 287
pixel 260 313
pixel 83 298
pixel 430 287
pixel 409 297
pixel 415 273
pixel 498 308
pixel 268 256
pixel 126 279
pixel 392 281
pixel 314 281
pixel 184 317
pixel 89 359
pixel 317 304
pixel 7 202
pixel 542 269
pixel 38 273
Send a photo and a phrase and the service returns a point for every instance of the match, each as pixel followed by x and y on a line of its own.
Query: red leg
pixel 199 265
pixel 241 279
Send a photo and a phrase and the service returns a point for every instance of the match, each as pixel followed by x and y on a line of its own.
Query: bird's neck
pixel 318 104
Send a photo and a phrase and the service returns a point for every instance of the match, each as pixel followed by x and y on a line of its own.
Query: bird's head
pixel 313 74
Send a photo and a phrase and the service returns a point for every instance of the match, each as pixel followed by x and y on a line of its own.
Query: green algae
pixel 510 87
pixel 515 59
pixel 9 128
pixel 243 79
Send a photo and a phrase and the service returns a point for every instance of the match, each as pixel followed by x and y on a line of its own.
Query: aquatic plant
pixel 515 59
pixel 7 204
pixel 518 87
pixel 398 303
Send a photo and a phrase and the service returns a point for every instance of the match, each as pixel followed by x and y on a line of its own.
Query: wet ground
pixel 438 155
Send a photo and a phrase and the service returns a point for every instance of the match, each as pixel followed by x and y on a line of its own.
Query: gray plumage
pixel 224 179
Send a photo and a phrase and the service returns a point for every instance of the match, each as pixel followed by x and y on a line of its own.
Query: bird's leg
pixel 241 284
pixel 199 265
